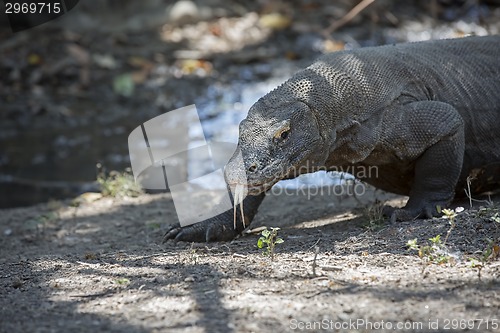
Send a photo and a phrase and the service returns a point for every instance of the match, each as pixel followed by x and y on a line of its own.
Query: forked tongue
pixel 239 195
pixel 240 190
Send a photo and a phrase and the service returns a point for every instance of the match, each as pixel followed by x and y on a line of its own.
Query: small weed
pixel 269 239
pixel 491 252
pixel 491 212
pixel 118 184
pixel 375 217
pixel 154 225
pixel 413 245
pixel 38 223
pixel 451 215
pixel 122 281
pixel 434 252
pixel 193 256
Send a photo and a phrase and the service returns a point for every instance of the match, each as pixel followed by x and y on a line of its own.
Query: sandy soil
pixel 101 266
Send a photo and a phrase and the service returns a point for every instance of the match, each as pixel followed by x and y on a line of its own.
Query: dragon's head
pixel 276 141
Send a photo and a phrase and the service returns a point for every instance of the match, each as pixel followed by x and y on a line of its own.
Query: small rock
pixel 331 268
pixel 17 283
pixel 189 279
pixel 183 12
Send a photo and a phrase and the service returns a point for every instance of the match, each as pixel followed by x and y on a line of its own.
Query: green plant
pixel 433 252
pixel 450 215
pixel 490 211
pixel 38 224
pixel 491 252
pixel 269 239
pixel 122 281
pixel 375 216
pixel 118 184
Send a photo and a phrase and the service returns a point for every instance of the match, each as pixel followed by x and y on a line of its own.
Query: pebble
pixel 183 12
pixel 189 279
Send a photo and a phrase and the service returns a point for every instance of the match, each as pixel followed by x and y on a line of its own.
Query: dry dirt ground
pixel 101 266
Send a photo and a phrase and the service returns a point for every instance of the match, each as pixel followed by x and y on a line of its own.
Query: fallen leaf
pixel 495 251
pixel 275 21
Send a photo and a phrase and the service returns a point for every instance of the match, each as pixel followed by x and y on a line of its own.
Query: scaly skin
pixel 424 114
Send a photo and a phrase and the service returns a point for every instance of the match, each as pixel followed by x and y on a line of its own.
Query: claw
pixel 405 214
pixel 220 227
pixel 179 236
pixel 402 215
pixel 172 233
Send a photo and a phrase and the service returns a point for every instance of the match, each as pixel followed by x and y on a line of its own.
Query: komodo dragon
pixel 425 114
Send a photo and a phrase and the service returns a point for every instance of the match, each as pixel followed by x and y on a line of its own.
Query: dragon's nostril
pixel 252 167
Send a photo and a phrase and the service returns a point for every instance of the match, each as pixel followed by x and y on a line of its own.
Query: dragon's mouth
pixel 257 188
pixel 262 185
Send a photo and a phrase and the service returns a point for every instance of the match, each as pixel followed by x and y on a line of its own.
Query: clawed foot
pixel 409 214
pixel 218 228
pixel 212 230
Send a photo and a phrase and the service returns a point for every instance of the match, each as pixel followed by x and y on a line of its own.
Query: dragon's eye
pixel 282 134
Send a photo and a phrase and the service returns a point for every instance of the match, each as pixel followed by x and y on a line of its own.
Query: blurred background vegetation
pixel 71 90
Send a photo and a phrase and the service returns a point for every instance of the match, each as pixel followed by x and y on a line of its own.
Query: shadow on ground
pixel 100 266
